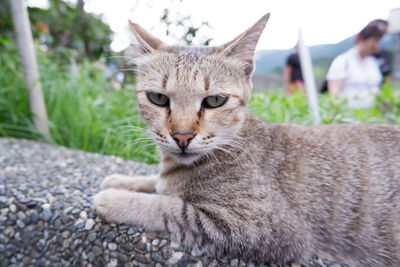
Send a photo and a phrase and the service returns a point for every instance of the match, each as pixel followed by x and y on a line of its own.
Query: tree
pixel 64 28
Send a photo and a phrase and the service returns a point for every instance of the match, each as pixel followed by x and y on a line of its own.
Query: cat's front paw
pixel 110 203
pixel 138 183
pixel 115 181
pixel 122 206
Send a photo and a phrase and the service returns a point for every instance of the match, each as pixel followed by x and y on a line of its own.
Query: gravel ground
pixel 46 217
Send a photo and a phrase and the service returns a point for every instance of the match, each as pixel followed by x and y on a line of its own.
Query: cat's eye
pixel 158 99
pixel 214 101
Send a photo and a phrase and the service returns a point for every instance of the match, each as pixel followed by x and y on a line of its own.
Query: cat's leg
pixel 212 228
pixel 184 222
pixel 136 183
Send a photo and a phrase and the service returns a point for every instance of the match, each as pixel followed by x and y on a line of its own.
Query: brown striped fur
pixel 271 193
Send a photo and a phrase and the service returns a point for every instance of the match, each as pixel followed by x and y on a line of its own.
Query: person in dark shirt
pixel 293 77
pixel 384 59
pixel 383 56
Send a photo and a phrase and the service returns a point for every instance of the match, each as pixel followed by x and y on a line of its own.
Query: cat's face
pixel 193 106
pixel 194 99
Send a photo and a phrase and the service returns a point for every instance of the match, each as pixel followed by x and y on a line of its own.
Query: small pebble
pixel 83 215
pixel 47 214
pixel 110 236
pixel 66 234
pixel 89 224
pixel 4 212
pixel 20 224
pixel 34 217
pixel 21 215
pixel 163 242
pixel 97 251
pixel 112 246
pixel 13 208
pixel 68 209
pixel 151 235
pixel 157 257
pixel 75 211
pixel 176 246
pixel 131 230
pixel 2 189
pixel 3 200
pixel 197 252
pixel 112 263
pixel 234 263
pixel 176 256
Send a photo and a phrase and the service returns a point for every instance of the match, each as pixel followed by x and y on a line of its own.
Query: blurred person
pixel 292 75
pixel 355 74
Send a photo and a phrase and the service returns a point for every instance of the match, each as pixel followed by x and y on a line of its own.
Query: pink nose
pixel 183 139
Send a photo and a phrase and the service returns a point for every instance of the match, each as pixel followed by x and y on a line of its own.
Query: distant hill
pixel 268 60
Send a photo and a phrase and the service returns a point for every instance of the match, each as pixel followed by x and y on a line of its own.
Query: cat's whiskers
pixel 132 128
pixel 145 138
pixel 138 135
pixel 211 156
pixel 139 143
pixel 233 142
pixel 142 148
pixel 135 132
pixel 228 152
pixel 144 133
pixel 227 138
pixel 112 57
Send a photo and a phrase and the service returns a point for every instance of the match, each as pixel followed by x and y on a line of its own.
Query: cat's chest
pixel 170 186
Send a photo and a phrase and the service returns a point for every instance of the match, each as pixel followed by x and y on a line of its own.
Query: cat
pixel 233 185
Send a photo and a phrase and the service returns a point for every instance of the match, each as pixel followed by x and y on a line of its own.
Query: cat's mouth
pixel 186 157
pixel 185 154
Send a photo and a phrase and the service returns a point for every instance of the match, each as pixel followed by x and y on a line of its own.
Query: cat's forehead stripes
pixel 206 83
pixel 164 82
pixel 178 64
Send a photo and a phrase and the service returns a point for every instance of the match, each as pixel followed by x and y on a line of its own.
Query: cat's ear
pixel 243 46
pixel 145 42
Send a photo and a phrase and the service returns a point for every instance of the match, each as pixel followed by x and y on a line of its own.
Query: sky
pixel 321 21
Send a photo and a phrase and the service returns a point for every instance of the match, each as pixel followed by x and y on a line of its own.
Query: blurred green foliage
pixel 65 29
pixel 276 107
pixel 15 117
pixel 86 113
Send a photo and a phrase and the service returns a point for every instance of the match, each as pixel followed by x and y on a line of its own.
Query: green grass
pixel 275 107
pixel 86 113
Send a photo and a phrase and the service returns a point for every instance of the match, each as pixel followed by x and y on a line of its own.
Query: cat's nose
pixel 182 139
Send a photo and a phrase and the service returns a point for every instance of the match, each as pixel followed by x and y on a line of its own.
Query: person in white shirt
pixel 355 74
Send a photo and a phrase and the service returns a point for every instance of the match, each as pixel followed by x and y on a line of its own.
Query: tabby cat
pixel 233 185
